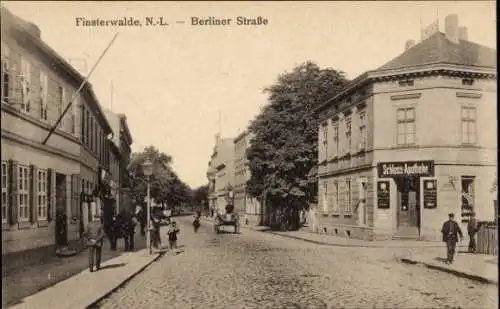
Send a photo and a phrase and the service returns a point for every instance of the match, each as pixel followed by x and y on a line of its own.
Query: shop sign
pixel 430 193
pixel 383 194
pixel 408 168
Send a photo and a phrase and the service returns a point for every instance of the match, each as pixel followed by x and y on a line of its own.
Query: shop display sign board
pixel 430 193
pixel 383 194
pixel 405 168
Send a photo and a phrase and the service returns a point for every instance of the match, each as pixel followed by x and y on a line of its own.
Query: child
pixel 196 223
pixel 172 236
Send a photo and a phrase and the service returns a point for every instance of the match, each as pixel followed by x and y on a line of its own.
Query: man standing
pixel 450 232
pixel 94 235
pixel 472 228
pixel 128 230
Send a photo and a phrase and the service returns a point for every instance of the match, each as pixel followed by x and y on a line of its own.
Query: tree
pixel 283 149
pixel 200 195
pixel 166 187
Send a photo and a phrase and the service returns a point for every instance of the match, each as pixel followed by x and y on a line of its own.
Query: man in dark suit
pixel 94 235
pixel 128 230
pixel 451 230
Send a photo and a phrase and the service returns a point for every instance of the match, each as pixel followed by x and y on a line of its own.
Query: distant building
pixel 242 201
pixel 121 148
pixel 404 145
pixel 48 191
pixel 221 173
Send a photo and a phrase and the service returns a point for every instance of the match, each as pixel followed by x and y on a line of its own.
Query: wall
pixel 41 233
pixel 438 94
pixel 339 220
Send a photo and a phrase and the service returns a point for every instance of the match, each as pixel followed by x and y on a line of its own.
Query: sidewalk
pixel 86 288
pixel 20 282
pixel 479 267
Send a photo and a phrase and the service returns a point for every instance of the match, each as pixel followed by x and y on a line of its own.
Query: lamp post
pixel 147 167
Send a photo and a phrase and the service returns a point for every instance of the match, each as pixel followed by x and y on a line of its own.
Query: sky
pixel 178 85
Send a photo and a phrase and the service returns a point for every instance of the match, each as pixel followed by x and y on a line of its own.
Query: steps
pixel 406 233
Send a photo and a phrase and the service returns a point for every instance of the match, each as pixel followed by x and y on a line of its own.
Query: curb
pixel 93 305
pixel 457 273
pixel 374 245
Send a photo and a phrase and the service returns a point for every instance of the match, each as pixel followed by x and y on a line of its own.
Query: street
pixel 259 270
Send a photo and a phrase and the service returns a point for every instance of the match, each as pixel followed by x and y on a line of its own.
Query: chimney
pixel 409 44
pixel 451 28
pixel 463 34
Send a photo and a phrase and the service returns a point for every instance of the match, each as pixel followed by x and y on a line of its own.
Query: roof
pixel 438 49
pixel 435 50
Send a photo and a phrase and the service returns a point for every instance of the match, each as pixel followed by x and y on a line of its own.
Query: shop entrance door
pixel 408 211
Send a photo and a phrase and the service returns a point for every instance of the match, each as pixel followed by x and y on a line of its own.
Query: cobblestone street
pixel 259 270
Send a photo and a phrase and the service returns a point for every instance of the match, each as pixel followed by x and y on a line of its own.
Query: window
pixel 99 145
pixel 325 135
pixel 362 131
pixel 91 135
pixel 42 194
pixel 60 105
pixel 348 206
pixel 23 194
pixel 72 117
pixel 43 95
pixel 5 191
pixel 468 197
pixel 468 125
pixel 95 136
pixel 325 197
pixel 87 133
pixel 406 126
pixel 348 135
pixel 336 138
pixel 467 82
pixel 25 85
pixel 406 83
pixel 5 76
pixel 84 125
pixel 336 197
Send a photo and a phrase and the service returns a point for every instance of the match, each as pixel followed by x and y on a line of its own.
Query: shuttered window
pixel 42 194
pixel 23 194
pixel 5 191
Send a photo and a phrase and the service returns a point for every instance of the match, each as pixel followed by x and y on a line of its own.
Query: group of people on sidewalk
pixel 452 232
pixel 123 225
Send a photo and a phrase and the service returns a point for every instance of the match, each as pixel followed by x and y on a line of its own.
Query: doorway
pixel 408 206
pixel 362 211
pixel 61 214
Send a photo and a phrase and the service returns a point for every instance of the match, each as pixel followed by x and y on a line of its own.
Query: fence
pixel 487 239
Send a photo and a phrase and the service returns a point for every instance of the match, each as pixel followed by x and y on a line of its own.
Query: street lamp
pixel 147 168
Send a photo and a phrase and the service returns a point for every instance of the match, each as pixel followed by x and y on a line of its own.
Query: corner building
pixel 404 145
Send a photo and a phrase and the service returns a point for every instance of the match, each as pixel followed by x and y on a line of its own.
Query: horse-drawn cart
pixel 228 219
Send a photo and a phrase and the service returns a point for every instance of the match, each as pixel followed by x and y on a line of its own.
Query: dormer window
pixel 467 82
pixel 406 83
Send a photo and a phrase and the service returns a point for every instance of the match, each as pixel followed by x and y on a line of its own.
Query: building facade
pixel 43 184
pixel 221 173
pixel 404 145
pixel 242 201
pixel 120 143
